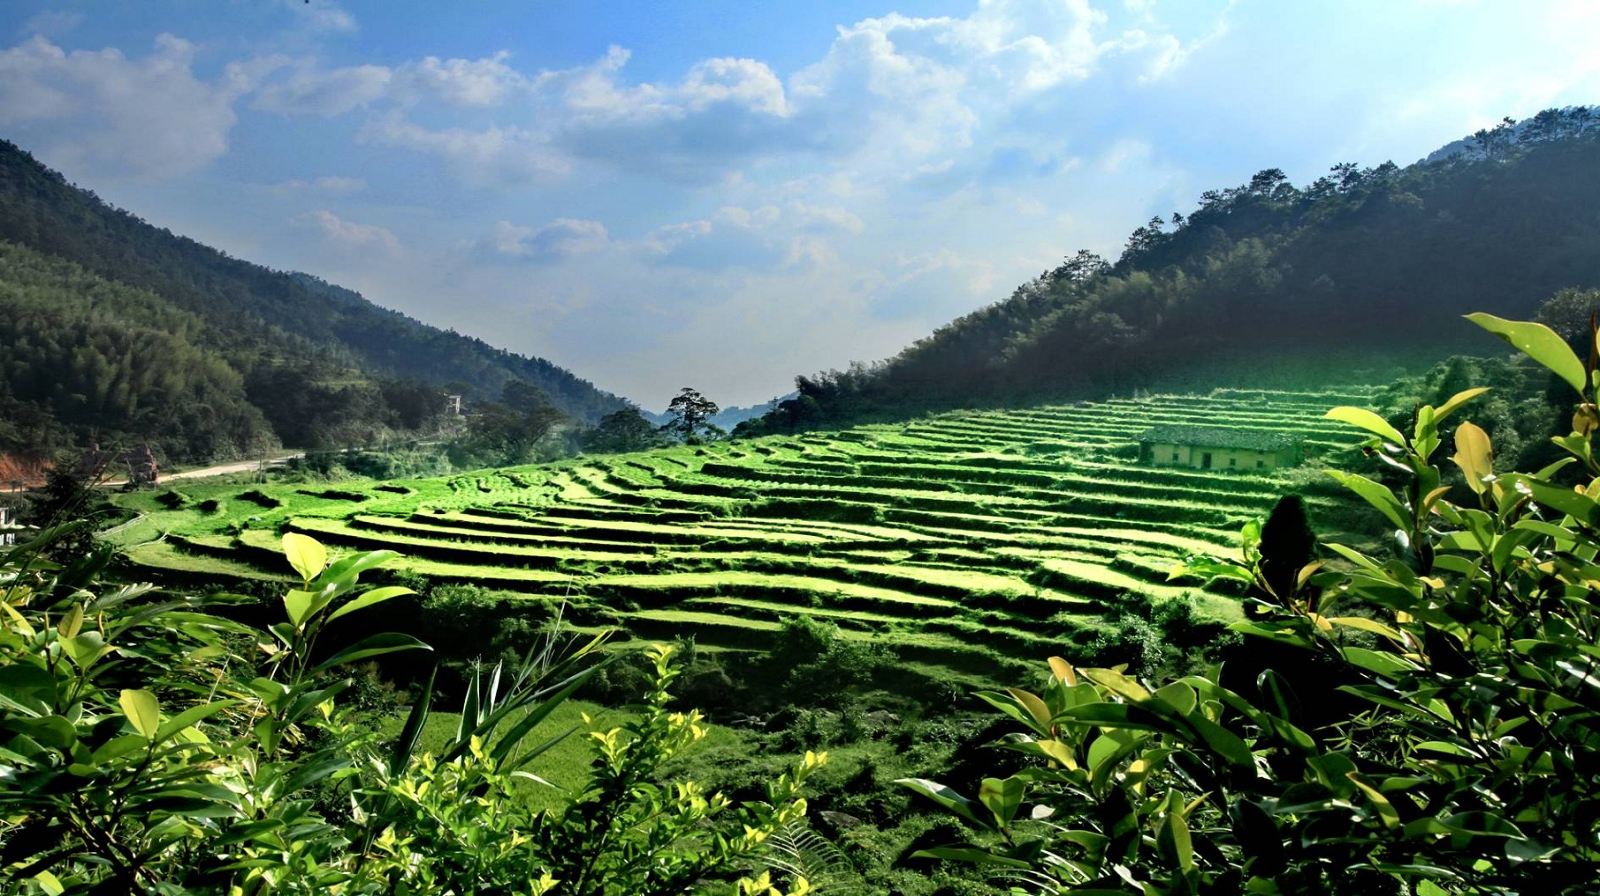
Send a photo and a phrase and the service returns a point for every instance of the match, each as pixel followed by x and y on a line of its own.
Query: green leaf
pixel 85 649
pixel 1474 455
pixel 944 796
pixel 191 716
pixel 1538 342
pixel 368 598
pixel 306 554
pixel 1179 696
pixel 1386 810
pixel 49 884
pixel 1367 625
pixel 1362 418
pixel 297 604
pixel 1119 715
pixel 1374 494
pixel 376 645
pixel 969 854
pixel 1002 796
pixel 1579 506
pixel 406 744
pixel 1175 833
pixel 1222 741
pixel 501 751
pixel 1456 401
pixel 71 622
pixel 354 565
pixel 142 711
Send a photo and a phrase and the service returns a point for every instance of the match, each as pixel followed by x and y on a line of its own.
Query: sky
pixel 726 194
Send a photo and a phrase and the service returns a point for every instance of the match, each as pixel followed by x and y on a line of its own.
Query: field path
pixel 243 466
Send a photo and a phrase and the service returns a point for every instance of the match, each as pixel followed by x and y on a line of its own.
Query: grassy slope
pixel 1022 525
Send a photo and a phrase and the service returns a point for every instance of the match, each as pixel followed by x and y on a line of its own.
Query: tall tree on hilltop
pixel 691 415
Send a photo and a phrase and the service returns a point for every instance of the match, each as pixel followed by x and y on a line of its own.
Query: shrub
pixel 1450 748
pixel 151 746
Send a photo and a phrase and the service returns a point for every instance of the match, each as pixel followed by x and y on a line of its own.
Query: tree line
pixel 1265 276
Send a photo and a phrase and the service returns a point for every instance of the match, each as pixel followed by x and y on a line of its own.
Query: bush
pixel 1448 744
pixel 153 747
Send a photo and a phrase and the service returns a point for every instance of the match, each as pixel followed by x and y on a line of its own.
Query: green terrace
pixel 1028 527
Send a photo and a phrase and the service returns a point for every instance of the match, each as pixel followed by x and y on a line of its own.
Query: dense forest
pixel 1384 257
pixel 113 325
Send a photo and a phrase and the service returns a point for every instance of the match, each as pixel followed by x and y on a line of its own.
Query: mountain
pixel 1268 282
pixel 281 355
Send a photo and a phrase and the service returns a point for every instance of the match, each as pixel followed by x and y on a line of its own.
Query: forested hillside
pixel 102 293
pixel 1268 275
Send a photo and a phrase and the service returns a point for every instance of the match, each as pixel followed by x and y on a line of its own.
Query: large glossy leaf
pixel 1367 420
pixel 1538 342
pixel 142 711
pixel 1456 401
pixel 1002 796
pixel 306 554
pixel 1374 494
pixel 353 565
pixel 297 604
pixel 1474 455
pixel 369 598
pixel 944 796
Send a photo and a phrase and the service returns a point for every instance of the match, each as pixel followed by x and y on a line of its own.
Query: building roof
pixel 1219 437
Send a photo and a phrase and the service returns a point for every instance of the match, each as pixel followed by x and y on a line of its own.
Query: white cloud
pixel 892 94
pixel 103 113
pixel 933 286
pixel 326 92
pixel 53 22
pixel 335 185
pixel 483 157
pixel 351 234
pixel 463 82
pixel 768 235
pixel 322 16
pixel 561 238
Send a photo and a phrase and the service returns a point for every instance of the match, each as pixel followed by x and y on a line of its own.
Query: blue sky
pixel 725 194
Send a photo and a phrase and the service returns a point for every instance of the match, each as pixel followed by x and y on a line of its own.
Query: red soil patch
pixel 16 468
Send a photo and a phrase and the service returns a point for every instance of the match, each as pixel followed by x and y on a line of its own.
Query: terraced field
pixel 948 538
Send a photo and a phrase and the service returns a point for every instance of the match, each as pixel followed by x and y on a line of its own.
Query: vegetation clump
pixel 1450 751
pixel 152 745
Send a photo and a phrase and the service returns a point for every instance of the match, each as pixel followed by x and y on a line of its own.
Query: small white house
pixel 9 527
pixel 1219 448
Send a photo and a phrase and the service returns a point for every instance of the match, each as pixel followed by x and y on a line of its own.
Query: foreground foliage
pixel 1448 744
pixel 149 744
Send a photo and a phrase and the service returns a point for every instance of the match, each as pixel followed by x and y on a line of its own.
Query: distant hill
pixel 285 355
pixel 1266 282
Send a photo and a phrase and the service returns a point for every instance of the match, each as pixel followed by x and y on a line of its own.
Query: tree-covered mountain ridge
pixel 1268 280
pixel 300 358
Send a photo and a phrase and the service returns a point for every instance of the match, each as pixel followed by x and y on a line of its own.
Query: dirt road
pixel 243 466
